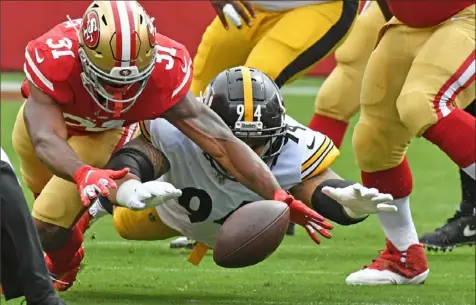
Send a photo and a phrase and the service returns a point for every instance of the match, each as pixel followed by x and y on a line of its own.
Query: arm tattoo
pixel 158 159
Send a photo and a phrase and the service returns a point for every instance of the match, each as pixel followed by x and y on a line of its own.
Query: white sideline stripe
pixel 291 90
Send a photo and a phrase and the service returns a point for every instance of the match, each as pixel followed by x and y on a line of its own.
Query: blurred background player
pixel 23 269
pixel 338 101
pixel 88 82
pixel 421 71
pixel 284 39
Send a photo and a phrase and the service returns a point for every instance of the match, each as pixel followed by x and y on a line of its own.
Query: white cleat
pixel 394 267
pixel 383 277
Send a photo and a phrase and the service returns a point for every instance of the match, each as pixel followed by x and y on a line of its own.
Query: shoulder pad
pixel 50 60
pixel 173 69
pixel 318 151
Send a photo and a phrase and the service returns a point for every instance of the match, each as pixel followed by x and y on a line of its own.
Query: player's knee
pixel 366 147
pixel 52 237
pixel 416 111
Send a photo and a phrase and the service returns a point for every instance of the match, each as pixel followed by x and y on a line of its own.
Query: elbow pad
pixel 138 162
pixel 328 207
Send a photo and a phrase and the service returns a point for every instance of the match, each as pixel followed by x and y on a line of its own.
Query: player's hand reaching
pixel 234 11
pixel 136 195
pixel 305 216
pixel 93 181
pixel 360 201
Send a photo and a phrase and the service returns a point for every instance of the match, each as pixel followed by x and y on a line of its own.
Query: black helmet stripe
pixel 248 94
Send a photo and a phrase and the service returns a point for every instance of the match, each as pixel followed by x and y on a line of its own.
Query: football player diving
pixel 284 39
pixel 164 164
pixel 88 82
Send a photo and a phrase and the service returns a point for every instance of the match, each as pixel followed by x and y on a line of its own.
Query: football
pixel 251 234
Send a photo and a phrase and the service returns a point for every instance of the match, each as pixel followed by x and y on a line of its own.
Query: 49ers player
pixel 88 82
pixel 421 71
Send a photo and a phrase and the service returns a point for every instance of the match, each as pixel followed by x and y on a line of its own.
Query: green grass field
pixel 121 272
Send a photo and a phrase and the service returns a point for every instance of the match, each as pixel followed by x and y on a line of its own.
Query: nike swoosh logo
pixel 184 67
pixel 312 144
pixel 468 232
pixel 38 58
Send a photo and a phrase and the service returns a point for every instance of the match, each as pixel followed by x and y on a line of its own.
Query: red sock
pixel 83 222
pixel 332 128
pixel 396 181
pixel 63 260
pixel 455 135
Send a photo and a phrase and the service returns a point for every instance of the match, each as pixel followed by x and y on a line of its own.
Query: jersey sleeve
pixel 172 73
pixel 48 73
pixel 182 80
pixel 318 152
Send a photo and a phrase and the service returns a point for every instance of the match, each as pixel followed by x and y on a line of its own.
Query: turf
pixel 121 272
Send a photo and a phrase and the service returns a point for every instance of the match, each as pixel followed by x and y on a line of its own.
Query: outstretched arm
pixel 203 126
pixel 47 129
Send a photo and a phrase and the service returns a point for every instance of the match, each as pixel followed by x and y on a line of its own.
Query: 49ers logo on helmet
pixel 90 30
pixel 151 31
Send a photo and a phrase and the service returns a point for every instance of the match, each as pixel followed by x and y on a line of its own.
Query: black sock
pixel 468 185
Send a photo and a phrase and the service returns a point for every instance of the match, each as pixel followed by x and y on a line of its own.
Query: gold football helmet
pixel 117 51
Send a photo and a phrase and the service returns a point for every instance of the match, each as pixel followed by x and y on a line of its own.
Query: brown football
pixel 251 234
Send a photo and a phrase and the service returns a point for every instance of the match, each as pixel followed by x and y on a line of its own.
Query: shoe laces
pixel 385 256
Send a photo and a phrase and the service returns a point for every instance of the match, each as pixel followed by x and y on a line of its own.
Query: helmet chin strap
pixel 117 106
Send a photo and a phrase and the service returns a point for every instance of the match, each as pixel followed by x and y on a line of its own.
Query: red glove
pixel 305 216
pixel 91 181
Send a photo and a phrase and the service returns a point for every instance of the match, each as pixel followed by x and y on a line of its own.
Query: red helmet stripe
pixel 117 24
pixel 130 15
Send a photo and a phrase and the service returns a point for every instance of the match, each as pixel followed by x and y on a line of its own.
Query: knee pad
pixel 416 111
pixel 370 146
pixel 339 95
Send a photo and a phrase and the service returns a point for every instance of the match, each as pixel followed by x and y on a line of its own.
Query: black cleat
pixel 460 230
pixel 290 231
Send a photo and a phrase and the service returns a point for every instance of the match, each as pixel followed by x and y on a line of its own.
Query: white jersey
pixel 284 5
pixel 207 198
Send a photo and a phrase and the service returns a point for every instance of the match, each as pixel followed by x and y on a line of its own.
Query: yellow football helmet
pixel 117 51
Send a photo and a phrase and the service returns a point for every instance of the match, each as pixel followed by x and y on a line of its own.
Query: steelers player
pixel 285 39
pixel 251 105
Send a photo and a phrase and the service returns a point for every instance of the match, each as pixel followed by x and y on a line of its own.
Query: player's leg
pixel 301 38
pixel 380 141
pixel 218 50
pixel 338 97
pixel 460 229
pixel 141 225
pixel 58 209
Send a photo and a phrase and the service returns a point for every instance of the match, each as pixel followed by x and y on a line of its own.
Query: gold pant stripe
pixel 324 45
pixel 248 94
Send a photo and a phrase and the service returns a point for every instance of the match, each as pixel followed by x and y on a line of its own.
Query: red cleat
pixel 394 267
